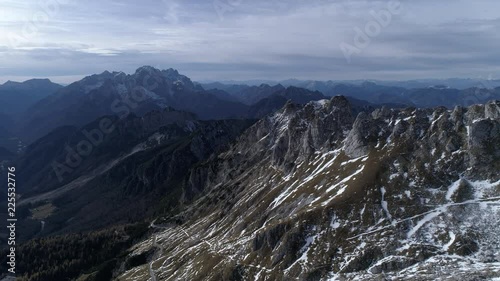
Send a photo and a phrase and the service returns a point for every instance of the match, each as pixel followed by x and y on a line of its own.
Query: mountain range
pixel 42 106
pixel 151 176
pixel 430 96
pixel 457 83
pixel 120 94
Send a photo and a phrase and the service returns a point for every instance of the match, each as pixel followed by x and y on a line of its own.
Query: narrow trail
pixel 439 210
pixel 159 250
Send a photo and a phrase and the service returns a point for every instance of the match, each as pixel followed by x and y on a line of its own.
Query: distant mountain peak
pixel 171 71
pixel 45 80
pixel 30 85
pixel 153 70
pixel 10 82
pixel 148 69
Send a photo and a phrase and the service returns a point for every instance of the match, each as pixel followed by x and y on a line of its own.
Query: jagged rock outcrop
pixel 294 133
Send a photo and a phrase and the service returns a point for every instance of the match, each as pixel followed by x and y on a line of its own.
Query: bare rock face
pixel 363 135
pixel 483 141
pixel 484 134
pixel 314 193
pixel 294 133
pixel 299 132
pixel 492 110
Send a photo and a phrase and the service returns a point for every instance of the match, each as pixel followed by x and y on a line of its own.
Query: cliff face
pixel 312 193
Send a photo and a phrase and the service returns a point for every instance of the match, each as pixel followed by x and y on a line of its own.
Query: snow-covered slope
pixel 312 193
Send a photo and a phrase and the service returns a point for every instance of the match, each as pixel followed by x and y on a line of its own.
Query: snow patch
pixel 335 223
pixel 452 239
pixel 362 158
pixel 385 204
pixel 408 194
pixel 319 104
pixel 427 218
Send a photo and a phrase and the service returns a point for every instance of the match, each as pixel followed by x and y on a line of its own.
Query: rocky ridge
pixel 315 193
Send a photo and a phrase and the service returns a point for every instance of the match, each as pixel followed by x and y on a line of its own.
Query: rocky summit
pixel 315 193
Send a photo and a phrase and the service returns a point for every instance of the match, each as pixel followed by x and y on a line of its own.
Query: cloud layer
pixel 242 39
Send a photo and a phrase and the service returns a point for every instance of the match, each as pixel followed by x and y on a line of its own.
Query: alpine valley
pixel 151 176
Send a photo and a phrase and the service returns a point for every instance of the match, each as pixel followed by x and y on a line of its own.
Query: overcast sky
pixel 250 39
